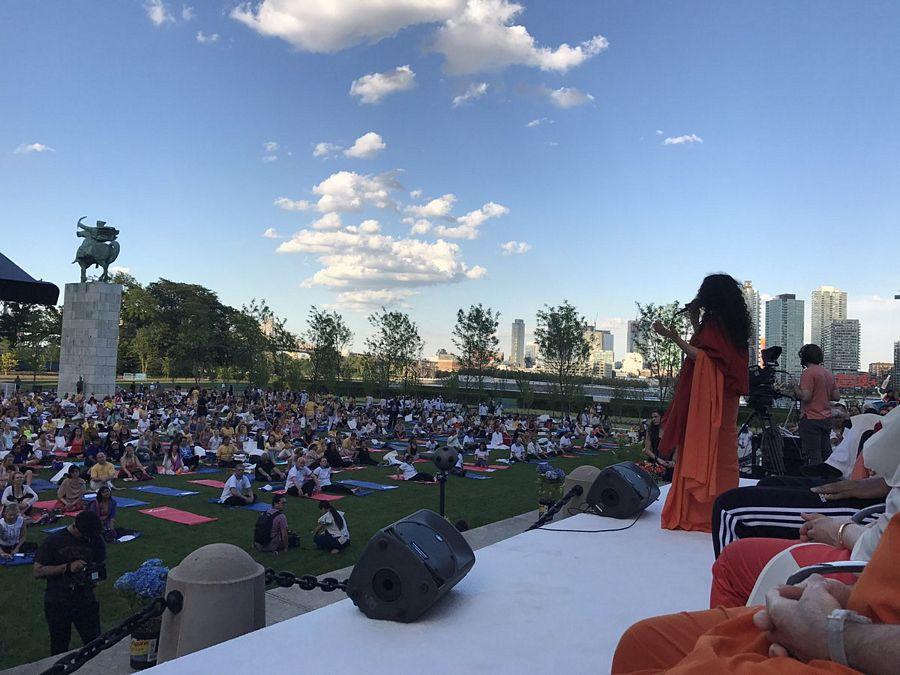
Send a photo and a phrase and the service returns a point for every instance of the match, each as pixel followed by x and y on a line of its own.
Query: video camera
pixel 91 575
pixel 763 391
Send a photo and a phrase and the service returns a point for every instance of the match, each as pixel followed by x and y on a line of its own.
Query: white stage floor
pixel 538 602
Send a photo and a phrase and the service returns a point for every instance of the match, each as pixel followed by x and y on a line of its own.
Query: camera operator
pixel 71 561
pixel 815 392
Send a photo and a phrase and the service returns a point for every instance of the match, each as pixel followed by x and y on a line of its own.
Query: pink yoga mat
pixel 177 515
pixel 480 469
pixel 318 497
pixel 209 482
pixel 49 504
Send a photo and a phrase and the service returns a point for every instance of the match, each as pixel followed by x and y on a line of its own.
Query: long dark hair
pixel 326 506
pixel 721 298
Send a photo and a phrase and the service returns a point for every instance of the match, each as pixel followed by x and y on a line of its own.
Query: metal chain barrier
pixel 73 661
pixel 307 582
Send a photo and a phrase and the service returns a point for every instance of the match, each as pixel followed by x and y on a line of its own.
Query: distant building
pixel 828 304
pixel 632 365
pixel 751 297
pixel 895 379
pixel 446 362
pixel 602 357
pixel 632 337
pixel 880 370
pixel 784 328
pixel 531 355
pixel 842 342
pixel 863 381
pixel 517 348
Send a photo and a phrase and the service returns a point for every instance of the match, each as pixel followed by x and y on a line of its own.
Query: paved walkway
pixel 283 603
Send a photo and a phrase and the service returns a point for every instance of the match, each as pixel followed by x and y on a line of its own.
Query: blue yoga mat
pixel 476 476
pixel 165 491
pixel 258 506
pixel 207 469
pixel 39 485
pixel 51 530
pixel 367 485
pixel 17 560
pixel 126 502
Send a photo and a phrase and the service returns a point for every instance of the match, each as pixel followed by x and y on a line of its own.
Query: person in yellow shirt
pixel 102 473
pixel 225 453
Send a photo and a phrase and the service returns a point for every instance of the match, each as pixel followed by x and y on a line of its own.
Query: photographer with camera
pixel 72 561
pixel 815 392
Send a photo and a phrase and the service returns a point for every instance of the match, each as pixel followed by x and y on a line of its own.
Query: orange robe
pixel 724 640
pixel 701 424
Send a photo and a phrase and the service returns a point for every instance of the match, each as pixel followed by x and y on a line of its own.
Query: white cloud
pixel 271 233
pixel 270 146
pixel 686 139
pixel 358 261
pixel 187 13
pixel 477 272
pixel 330 221
pixel 350 191
pixel 418 226
pixel 329 26
pixel 659 132
pixel 484 38
pixel 568 97
pixel 515 247
pixel 415 194
pixel 538 122
pixel 206 39
pixel 28 148
pixel 293 205
pixel 436 208
pixel 158 13
pixel 474 91
pixel 370 300
pixel 370 227
pixel 270 158
pixel 118 269
pixel 467 225
pixel 373 87
pixel 366 146
pixel 324 149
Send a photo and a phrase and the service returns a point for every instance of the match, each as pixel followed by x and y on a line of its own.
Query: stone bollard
pixel 224 593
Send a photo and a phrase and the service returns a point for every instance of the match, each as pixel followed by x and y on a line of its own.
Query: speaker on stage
pixel 408 566
pixel 622 490
pixel 585 477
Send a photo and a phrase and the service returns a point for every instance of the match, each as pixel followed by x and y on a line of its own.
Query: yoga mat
pixel 367 485
pixel 348 468
pixel 51 530
pixel 208 482
pixel 39 485
pixel 261 507
pixel 207 469
pixel 476 476
pixel 412 482
pixel 165 491
pixel 48 505
pixel 126 502
pixel 19 559
pixel 177 516
pixel 479 469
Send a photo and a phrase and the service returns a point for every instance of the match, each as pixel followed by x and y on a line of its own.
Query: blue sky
pixel 781 166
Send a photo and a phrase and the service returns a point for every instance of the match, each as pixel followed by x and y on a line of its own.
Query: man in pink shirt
pixel 815 392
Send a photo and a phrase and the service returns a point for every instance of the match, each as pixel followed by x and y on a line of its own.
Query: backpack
pixel 262 531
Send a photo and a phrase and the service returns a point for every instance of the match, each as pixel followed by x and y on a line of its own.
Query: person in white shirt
pixel 322 474
pixel 517 451
pixel 534 448
pixel 482 455
pixel 237 490
pixel 331 533
pixel 408 472
pixel 497 441
pixel 468 441
pixel 565 442
pixel 300 480
pixel 591 442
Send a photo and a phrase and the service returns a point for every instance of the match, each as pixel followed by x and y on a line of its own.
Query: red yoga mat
pixel 209 482
pixel 177 515
pixel 480 469
pixel 49 504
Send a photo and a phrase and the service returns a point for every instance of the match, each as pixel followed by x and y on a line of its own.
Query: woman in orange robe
pixel 700 426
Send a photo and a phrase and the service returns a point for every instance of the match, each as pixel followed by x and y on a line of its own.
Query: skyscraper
pixel 632 335
pixel 607 340
pixel 601 359
pixel 784 328
pixel 842 338
pixel 895 380
pixel 751 297
pixel 828 304
pixel 517 349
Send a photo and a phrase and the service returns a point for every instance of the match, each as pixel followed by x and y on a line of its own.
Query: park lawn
pixel 23 631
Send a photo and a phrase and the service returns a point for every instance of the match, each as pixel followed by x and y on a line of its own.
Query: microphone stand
pixel 575 491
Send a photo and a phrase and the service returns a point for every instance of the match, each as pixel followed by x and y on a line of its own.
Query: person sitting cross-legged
pixel 69 496
pixel 105 507
pixel 237 491
pixel 13 531
pixel 271 532
pixel 300 480
pixel 409 472
pixel 102 472
pixel 331 533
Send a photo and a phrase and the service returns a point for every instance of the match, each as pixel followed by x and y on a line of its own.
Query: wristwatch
pixel 836 621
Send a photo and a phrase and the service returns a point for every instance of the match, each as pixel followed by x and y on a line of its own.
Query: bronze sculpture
pixel 99 248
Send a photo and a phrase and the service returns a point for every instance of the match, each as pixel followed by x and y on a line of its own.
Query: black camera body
pixel 92 574
pixel 763 391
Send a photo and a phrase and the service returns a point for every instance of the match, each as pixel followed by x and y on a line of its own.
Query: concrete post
pixel 90 338
pixel 224 593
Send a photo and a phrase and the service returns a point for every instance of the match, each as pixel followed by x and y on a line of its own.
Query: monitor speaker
pixel 622 490
pixel 585 477
pixel 408 566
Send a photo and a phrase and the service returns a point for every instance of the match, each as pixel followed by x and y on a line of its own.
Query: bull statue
pixel 99 248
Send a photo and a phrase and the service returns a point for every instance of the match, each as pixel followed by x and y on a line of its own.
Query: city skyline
pixel 599 154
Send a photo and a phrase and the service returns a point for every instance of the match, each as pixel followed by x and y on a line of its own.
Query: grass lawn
pixel 23 631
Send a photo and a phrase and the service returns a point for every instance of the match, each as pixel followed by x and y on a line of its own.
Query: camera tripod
pixel 771 444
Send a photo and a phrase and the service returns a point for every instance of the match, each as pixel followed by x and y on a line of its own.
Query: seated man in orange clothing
pixel 818 626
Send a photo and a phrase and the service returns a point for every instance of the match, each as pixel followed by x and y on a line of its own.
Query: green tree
pixel 393 350
pixel 662 357
pixel 144 346
pixel 34 332
pixel 8 361
pixel 526 391
pixel 326 336
pixel 560 338
pixel 475 335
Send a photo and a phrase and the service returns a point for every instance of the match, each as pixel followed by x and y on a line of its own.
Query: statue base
pixel 90 338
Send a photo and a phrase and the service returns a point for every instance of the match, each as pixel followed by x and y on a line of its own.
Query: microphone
pixel 553 510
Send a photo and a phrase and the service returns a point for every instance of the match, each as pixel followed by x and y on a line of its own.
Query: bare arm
pixel 873 649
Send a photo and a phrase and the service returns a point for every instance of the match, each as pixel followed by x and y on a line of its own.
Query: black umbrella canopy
pixel 16 285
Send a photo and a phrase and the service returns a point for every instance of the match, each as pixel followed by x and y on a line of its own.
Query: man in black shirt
pixel 69 596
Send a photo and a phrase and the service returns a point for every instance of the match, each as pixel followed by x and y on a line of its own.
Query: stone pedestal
pixel 90 338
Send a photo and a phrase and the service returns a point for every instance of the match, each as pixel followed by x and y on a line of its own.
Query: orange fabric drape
pixel 706 465
pixel 726 641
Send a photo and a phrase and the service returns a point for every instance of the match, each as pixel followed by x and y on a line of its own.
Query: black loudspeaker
pixel 623 490
pixel 408 566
